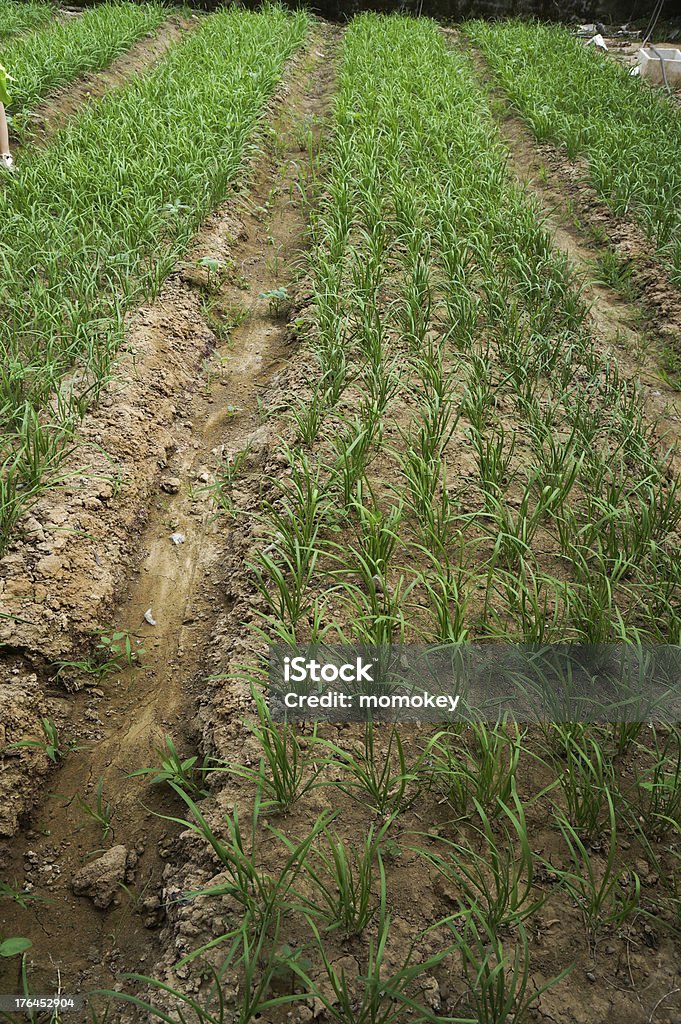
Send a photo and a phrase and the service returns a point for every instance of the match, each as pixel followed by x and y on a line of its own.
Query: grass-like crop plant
pixel 285 772
pixel 41 61
pixel 343 880
pixel 20 16
pixel 494 874
pixel 629 133
pixel 97 221
pixel 454 331
pixel 500 981
pixel 607 893
pixel 462 461
pixel 482 776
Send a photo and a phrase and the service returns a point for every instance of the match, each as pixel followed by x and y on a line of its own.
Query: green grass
pixel 64 49
pixel 469 465
pixel 437 290
pixel 95 222
pixel 18 17
pixel 587 102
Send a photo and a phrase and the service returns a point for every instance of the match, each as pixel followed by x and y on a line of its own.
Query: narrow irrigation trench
pixel 122 721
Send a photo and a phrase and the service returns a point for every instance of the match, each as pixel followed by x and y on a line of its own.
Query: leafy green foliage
pixel 20 15
pixel 42 61
pixel 68 279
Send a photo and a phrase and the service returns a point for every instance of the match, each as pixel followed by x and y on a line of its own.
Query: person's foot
pixel 6 162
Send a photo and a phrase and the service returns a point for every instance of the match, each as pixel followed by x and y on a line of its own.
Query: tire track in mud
pixel 122 720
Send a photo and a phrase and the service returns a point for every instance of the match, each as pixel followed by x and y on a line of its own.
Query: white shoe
pixel 6 162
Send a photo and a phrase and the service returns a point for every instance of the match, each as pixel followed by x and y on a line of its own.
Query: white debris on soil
pixel 148 617
pixel 598 41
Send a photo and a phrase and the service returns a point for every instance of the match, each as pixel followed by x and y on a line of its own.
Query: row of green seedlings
pixel 308 514
pixel 592 486
pixel 65 48
pixel 617 537
pixel 338 886
pixel 23 15
pixel 126 214
pixel 581 762
pixel 578 477
pixel 593 445
pixel 590 104
pixel 475 768
pixel 312 506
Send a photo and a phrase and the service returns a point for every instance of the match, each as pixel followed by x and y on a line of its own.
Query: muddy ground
pixel 212 369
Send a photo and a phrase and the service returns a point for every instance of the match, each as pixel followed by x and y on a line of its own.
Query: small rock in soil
pixel 170 484
pixel 100 880
pixel 152 912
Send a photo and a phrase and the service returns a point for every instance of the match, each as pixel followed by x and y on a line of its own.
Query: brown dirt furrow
pixel 189 394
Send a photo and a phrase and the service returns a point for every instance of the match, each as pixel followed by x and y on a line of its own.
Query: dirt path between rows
pixel 122 720
pixel 45 121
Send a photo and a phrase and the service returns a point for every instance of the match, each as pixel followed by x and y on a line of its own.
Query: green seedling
pixel 18 895
pixel 229 471
pixel 100 811
pixel 500 987
pixel 50 745
pixel 493 871
pixel 277 301
pixel 343 875
pixel 286 770
pixel 607 894
pixel 15 946
pixel 214 269
pixel 184 774
pixel 385 780
pixel 113 652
